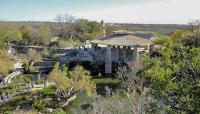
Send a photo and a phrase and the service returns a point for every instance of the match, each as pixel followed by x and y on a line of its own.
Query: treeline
pixel 81 29
pixel 26 34
pixel 158 28
pixel 43 34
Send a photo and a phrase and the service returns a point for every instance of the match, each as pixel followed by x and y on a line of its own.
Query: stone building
pixel 110 51
pixel 120 47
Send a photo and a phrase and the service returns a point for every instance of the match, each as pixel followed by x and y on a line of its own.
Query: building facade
pixel 120 47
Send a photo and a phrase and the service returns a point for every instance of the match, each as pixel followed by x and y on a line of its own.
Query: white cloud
pixel 165 12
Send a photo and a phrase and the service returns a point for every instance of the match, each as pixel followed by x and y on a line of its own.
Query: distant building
pixel 121 46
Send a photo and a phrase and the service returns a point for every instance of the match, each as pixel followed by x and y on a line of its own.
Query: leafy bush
pixel 45 52
pixel 56 56
pixel 33 68
pixel 39 104
pixel 48 91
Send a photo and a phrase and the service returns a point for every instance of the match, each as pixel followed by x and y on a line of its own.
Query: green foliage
pixel 81 30
pixel 39 104
pixel 8 112
pixel 86 30
pixel 77 80
pixel 164 41
pixel 6 62
pixel 30 58
pixel 106 81
pixel 9 32
pixel 26 29
pixel 81 80
pixel 174 74
pixel 62 43
pixel 178 35
pixel 27 33
pixel 59 111
pixel 45 52
pixel 32 68
pixel 45 31
pixel 36 36
pixel 56 56
pixel 160 77
pixel 152 108
pixel 33 56
pixel 59 77
pixel 48 91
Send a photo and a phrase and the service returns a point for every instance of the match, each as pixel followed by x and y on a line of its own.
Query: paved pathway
pixel 12 75
pixel 41 47
pixel 7 79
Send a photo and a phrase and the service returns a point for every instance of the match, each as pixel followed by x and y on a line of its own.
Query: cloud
pixel 164 11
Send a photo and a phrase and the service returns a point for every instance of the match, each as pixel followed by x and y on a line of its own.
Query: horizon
pixel 38 21
pixel 133 11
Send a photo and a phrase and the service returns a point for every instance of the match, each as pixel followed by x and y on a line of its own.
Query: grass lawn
pixel 106 81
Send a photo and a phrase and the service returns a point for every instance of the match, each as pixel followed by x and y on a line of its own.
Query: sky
pixel 111 11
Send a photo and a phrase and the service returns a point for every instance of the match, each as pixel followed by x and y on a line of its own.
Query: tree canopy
pixel 88 30
pixel 69 83
pixel 36 36
pixel 9 32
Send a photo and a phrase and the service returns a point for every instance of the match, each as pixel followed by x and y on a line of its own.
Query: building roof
pixel 122 40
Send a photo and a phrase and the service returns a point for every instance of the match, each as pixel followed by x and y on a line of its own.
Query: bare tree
pixel 194 37
pixel 66 24
pixel 194 26
pixel 135 100
pixel 128 75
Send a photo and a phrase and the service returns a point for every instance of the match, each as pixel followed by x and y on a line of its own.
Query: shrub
pixel 48 91
pixel 56 56
pixel 39 104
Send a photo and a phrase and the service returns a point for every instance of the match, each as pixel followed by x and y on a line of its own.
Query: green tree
pixel 46 34
pixel 81 80
pixel 77 80
pixel 88 30
pixel 9 32
pixel 39 104
pixel 173 75
pixel 59 77
pixel 26 29
pixel 39 35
